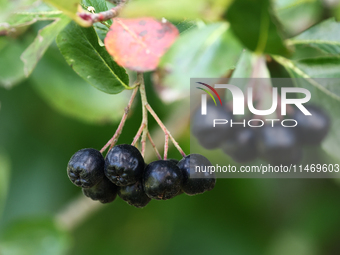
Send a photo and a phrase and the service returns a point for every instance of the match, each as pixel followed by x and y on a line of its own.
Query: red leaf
pixel 138 44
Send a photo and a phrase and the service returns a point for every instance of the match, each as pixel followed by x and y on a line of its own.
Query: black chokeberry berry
pixel 162 180
pixel 124 165
pixel 279 145
pixel 175 161
pixel 86 168
pixel 196 178
pixel 242 146
pixel 134 195
pixel 312 129
pixel 104 191
pixel 208 136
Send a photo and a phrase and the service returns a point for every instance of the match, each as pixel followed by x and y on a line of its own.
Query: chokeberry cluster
pixel 274 143
pixel 125 173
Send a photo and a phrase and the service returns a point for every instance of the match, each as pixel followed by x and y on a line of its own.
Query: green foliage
pixel 22 19
pixel 99 5
pixel 45 37
pixel 177 10
pixel 12 68
pixel 325 92
pixel 256 26
pixel 5 167
pixel 40 237
pixel 90 60
pixel 73 96
pixel 298 15
pixel 101 29
pixel 210 51
pixel 69 8
pixel 325 36
pixel 277 216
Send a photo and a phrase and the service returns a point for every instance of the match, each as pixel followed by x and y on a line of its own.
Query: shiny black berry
pixel 124 165
pixel 104 191
pixel 242 146
pixel 175 161
pixel 134 195
pixel 162 180
pixel 279 145
pixel 196 178
pixel 312 129
pixel 208 136
pixel 86 168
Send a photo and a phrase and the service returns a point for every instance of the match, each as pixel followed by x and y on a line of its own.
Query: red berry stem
pixel 139 133
pixel 140 77
pixel 166 146
pixel 119 130
pixel 154 146
pixel 165 130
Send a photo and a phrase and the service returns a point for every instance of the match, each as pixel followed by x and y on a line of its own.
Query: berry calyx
pixel 194 181
pixel 104 191
pixel 86 168
pixel 124 165
pixel 162 180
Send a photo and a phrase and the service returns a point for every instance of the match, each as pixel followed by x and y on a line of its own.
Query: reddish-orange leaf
pixel 138 44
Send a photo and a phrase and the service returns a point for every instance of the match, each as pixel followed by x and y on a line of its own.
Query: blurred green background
pixel 49 116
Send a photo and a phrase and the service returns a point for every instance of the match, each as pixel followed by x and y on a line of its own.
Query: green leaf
pixel 298 15
pixel 100 6
pixel 9 7
pixel 252 69
pixel 91 61
pixel 5 167
pixel 65 91
pixel 34 236
pixel 244 67
pixel 324 67
pixel 70 8
pixel 324 36
pixel 325 92
pixel 184 26
pixel 208 52
pixel 256 27
pixel 20 19
pixel 177 10
pixel 45 37
pixel 33 14
pixel 12 68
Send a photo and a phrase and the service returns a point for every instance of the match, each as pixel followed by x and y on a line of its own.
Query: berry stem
pixel 119 130
pixel 137 136
pixel 154 146
pixel 165 130
pixel 144 111
pixel 166 146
